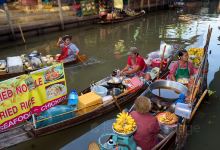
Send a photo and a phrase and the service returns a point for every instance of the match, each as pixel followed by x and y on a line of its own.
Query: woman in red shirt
pixel 135 63
pixel 147 125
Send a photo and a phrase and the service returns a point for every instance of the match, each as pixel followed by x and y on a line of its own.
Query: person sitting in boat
pixel 182 69
pixel 135 64
pixel 147 125
pixel 69 50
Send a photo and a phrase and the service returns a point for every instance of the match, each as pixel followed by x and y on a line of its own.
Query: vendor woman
pixel 69 51
pixel 182 68
pixel 135 63
pixel 147 125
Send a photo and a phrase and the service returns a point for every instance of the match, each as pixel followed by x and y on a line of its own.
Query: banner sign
pixel 22 96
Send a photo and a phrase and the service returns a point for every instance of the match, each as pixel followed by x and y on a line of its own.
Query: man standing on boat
pixel 182 69
pixel 69 50
pixel 135 64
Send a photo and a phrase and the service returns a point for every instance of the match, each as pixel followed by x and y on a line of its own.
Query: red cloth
pixel 147 130
pixel 64 53
pixel 138 62
pixel 174 68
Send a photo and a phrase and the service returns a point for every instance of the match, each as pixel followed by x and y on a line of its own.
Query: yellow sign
pixel 25 95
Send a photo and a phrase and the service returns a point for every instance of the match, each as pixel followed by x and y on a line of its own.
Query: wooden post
pixel 148 5
pixel 142 4
pixel 163 4
pixel 22 34
pixel 9 20
pixel 61 14
pixel 128 3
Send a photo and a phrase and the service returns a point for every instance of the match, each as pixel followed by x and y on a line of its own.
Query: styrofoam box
pixel 14 64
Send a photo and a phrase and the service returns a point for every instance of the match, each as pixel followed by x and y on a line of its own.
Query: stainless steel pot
pixel 166 84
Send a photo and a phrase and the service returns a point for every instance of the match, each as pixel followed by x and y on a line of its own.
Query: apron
pixel 182 72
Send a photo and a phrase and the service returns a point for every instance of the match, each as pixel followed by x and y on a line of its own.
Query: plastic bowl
pixel 123 134
pixel 100 90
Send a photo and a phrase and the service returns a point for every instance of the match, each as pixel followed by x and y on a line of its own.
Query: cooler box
pixel 14 64
pixel 88 102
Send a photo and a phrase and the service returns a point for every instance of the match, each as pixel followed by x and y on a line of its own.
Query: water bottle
pixel 73 98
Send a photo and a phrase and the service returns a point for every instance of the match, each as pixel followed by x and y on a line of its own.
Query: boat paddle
pixel 81 58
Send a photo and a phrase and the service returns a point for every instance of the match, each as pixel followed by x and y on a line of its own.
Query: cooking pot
pixel 34 54
pixel 167 90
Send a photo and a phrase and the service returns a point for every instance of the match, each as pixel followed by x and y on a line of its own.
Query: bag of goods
pixel 156 63
pixel 53 115
pixel 14 64
pixel 124 124
pixel 168 51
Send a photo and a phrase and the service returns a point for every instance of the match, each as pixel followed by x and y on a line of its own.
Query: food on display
pixel 124 124
pixel 55 90
pixel 167 118
pixel 196 54
pixel 183 80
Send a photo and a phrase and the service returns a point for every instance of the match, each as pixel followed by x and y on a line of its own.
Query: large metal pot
pixel 163 85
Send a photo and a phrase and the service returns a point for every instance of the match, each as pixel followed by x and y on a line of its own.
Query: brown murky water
pixel 145 33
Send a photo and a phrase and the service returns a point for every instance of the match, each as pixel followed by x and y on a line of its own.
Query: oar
pixel 161 63
pixel 115 98
pixel 80 59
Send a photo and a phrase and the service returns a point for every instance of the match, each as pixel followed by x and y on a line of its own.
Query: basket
pixel 123 134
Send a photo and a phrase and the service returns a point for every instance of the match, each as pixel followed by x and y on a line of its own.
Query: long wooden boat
pixel 122 19
pixel 4 74
pixel 27 131
pixel 177 138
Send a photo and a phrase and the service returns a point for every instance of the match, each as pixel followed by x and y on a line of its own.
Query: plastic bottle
pixel 73 98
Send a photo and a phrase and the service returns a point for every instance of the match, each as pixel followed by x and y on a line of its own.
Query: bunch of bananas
pixel 198 52
pixel 124 123
pixel 196 55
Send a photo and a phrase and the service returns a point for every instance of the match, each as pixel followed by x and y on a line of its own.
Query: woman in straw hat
pixel 69 50
pixel 147 125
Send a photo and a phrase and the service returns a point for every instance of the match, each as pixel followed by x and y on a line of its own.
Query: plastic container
pixel 183 110
pixel 100 90
pixel 73 98
pixel 156 63
pixel 14 64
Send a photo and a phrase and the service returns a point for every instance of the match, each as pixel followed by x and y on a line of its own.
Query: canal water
pixel 103 44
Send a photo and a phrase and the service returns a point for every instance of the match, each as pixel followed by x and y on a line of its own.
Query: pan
pixel 167 90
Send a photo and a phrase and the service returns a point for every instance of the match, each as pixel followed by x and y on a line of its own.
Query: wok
pixel 114 82
pixel 167 86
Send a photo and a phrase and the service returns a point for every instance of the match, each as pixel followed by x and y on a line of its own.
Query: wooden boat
pixel 4 74
pixel 27 131
pixel 177 138
pixel 122 19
